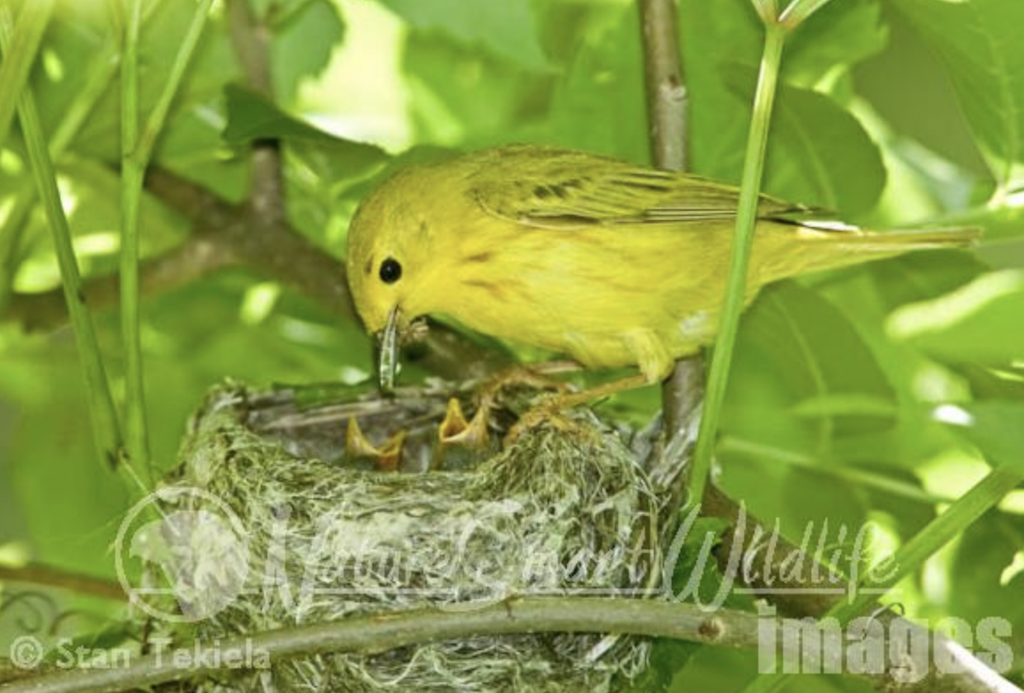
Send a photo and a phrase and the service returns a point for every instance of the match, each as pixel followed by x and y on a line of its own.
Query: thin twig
pixel 47 576
pixel 251 41
pixel 663 82
pixel 683 391
pixel 381 632
pixel 376 633
pixel 746 221
pixel 769 561
pixel 107 434
pixel 226 235
pixel 19 55
pixel 253 234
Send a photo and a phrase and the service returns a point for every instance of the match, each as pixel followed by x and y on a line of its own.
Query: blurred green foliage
pixel 876 393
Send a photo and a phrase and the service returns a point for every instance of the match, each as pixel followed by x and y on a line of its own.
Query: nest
pixel 565 508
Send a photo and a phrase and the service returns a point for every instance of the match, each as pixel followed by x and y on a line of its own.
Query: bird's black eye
pixel 390 271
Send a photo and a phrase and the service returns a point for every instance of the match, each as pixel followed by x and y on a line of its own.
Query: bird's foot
pixel 459 438
pixel 531 377
pixel 549 409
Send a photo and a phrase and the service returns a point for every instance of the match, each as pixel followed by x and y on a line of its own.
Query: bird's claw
pixel 547 411
pixel 521 376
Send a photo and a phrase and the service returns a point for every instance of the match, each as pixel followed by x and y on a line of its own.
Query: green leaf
pixel 117 636
pixel 692 563
pixel 717 120
pixel 506 29
pixel 68 499
pixel 977 323
pixel 818 153
pixel 868 295
pixel 83 35
pixel 18 58
pixel 252 117
pixel 988 548
pixel 463 96
pixel 821 153
pixel 839 34
pixel 921 276
pixel 810 350
pixel 994 426
pixel 906 514
pixel 845 404
pixel 826 508
pixel 993 383
pixel 980 44
pixel 1000 224
pixel 667 657
pixel 598 80
pixel 304 40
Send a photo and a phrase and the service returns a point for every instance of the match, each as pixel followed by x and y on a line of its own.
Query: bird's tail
pixel 823 245
pixel 902 241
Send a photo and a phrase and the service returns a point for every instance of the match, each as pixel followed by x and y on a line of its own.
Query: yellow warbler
pixel 611 263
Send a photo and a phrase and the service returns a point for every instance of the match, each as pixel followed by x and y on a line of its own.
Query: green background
pixel 909 112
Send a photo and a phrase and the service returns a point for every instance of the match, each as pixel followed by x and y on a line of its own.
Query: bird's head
pixel 390 246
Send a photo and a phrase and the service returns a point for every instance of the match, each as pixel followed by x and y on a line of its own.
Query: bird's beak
pixel 387 356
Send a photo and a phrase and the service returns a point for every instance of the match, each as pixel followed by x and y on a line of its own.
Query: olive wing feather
pixel 557 188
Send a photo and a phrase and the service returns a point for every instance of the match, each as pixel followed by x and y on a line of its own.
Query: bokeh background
pixel 850 390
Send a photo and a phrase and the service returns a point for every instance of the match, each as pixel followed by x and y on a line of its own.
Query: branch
pixel 47 576
pixel 663 83
pixel 683 392
pixel 245 235
pixel 251 41
pixel 377 633
pixel 381 632
pixel 798 594
pixel 200 256
pixel 254 234
pixel 226 235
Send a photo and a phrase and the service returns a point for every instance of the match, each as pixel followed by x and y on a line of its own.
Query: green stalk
pixel 746 218
pixel 926 543
pixel 155 124
pixel 136 150
pixel 14 225
pixel 101 74
pixel 767 10
pixel 830 468
pixel 104 419
pixel 132 171
pixel 19 54
pixel 11 232
pixel 775 35
pixel 798 11
pixel 983 496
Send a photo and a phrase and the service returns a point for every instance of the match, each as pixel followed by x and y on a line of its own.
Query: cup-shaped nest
pixel 565 509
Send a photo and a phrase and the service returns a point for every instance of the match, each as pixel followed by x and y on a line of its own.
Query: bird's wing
pixel 561 189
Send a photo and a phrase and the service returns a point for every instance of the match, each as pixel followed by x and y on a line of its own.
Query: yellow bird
pixel 611 263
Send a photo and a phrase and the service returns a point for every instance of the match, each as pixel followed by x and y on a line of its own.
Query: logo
pixel 190 549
